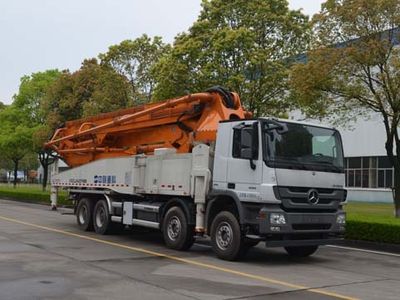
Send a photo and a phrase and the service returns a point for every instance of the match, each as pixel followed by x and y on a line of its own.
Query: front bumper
pixel 301 229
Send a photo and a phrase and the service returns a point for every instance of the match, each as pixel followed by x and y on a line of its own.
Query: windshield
pixel 303 146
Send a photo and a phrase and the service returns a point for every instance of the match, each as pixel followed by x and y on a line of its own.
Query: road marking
pixel 364 250
pixel 184 260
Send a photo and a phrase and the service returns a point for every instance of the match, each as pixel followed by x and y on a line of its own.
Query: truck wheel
pixel 226 237
pixel 177 233
pixel 301 251
pixel 84 214
pixel 101 218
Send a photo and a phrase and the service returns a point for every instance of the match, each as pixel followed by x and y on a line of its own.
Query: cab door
pixel 244 163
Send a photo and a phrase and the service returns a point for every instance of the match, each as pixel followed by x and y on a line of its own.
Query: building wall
pixel 369 195
pixel 364 138
pixel 367 162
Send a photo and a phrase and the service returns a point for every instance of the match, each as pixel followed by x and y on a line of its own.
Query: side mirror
pixel 281 128
pixel 246 153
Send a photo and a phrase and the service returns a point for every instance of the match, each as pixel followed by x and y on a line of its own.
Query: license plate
pixel 311 219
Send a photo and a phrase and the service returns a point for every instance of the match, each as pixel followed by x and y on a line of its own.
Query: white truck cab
pixel 287 179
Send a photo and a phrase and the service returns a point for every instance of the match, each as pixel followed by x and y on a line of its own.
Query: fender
pixel 185 205
pixel 229 194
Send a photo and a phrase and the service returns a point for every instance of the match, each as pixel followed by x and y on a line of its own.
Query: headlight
pixel 277 219
pixel 341 219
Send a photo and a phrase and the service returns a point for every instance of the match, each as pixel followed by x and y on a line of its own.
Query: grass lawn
pixel 30 193
pixel 371 212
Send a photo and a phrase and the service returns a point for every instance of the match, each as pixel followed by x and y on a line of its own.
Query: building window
pixel 369 172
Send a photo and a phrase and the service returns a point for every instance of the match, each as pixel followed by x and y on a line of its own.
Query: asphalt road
pixel 44 256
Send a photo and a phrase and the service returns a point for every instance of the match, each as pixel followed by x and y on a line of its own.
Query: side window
pixel 242 139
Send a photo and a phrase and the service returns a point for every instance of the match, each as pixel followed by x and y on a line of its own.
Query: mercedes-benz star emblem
pixel 313 197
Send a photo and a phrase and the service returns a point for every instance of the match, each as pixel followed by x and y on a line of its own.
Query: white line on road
pixel 365 250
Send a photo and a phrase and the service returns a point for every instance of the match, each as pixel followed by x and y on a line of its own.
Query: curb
pixel 384 247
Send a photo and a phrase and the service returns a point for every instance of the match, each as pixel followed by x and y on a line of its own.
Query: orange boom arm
pixel 177 123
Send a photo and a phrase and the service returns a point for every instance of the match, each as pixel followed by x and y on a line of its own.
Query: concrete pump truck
pixel 199 165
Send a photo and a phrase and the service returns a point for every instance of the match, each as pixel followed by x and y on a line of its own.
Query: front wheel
pixel 226 237
pixel 177 233
pixel 301 251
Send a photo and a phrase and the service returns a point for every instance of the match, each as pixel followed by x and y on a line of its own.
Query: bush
pixel 373 231
pixel 34 195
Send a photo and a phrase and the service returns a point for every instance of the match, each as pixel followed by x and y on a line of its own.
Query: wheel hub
pixel 174 228
pixel 224 235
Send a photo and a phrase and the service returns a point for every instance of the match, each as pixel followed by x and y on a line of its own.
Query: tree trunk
pixel 45 160
pixel 396 197
pixel 15 173
pixel 45 176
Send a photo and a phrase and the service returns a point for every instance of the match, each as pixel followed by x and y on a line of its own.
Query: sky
pixel 37 35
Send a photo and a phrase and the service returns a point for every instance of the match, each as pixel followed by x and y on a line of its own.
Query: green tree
pixel 354 68
pixel 15 136
pixel 134 60
pixel 31 94
pixel 91 90
pixel 32 90
pixel 243 45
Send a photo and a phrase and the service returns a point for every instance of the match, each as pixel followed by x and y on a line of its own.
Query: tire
pixel 101 218
pixel 301 251
pixel 177 233
pixel 226 237
pixel 84 214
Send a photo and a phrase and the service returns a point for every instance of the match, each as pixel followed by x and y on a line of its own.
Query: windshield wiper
pixel 331 165
pixel 293 163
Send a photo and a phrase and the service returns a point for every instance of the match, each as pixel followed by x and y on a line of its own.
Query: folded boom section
pixel 176 123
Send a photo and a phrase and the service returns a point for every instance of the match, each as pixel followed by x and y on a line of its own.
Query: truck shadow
pixel 259 255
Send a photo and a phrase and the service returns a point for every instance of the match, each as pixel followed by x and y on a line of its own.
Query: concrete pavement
pixel 43 255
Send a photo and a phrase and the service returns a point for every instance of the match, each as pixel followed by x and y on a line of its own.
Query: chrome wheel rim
pixel 174 228
pixel 224 236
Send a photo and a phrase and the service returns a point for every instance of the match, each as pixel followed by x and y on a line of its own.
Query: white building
pixel 369 175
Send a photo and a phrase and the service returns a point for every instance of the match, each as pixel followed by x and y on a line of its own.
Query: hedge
pixel 31 196
pixel 373 231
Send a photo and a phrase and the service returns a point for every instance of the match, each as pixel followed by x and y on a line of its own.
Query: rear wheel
pixel 226 237
pixel 101 218
pixel 301 251
pixel 177 233
pixel 84 214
